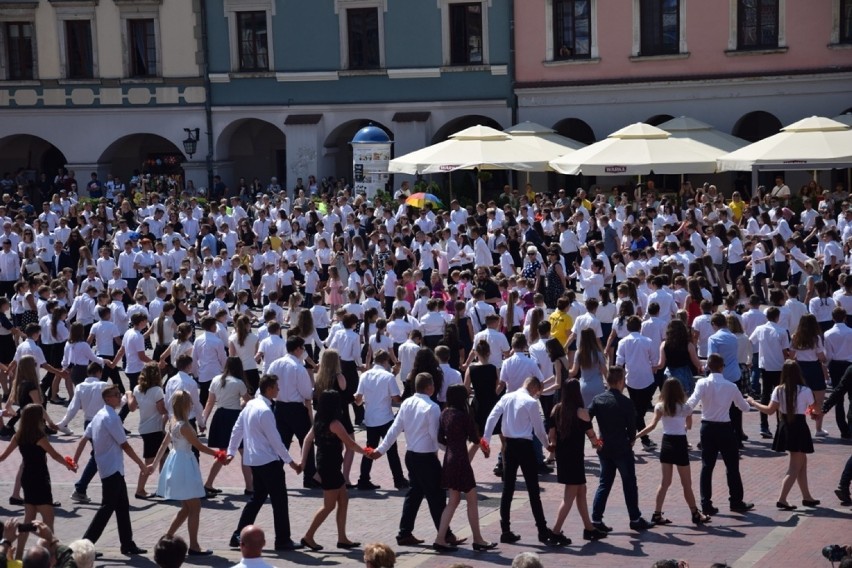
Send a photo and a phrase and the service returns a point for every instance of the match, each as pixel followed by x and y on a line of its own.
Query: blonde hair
pixel 181 402
pixel 329 369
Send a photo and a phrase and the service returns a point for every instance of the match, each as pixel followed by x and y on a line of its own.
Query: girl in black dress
pixel 31 441
pixel 330 438
pixel 330 377
pixel 482 379
pixel 674 451
pixel 792 400
pixel 570 423
pixel 455 430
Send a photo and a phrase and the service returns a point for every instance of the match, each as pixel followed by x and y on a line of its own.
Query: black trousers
pixel 836 369
pixel 425 476
pixel 716 438
pixel 132 379
pixel 520 452
pixel 269 481
pixel 114 501
pixel 292 419
pixel 350 371
pixel 736 416
pixel 769 380
pixel 111 373
pixel 203 391
pixel 374 436
pixel 641 399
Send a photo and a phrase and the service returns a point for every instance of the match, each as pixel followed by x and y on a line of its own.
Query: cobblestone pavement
pixel 765 537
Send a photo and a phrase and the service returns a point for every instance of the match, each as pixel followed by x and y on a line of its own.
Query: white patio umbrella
pixel 639 149
pixel 547 141
pixel 478 147
pixel 686 127
pixel 809 144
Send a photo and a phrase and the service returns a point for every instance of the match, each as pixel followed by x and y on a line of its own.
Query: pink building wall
pixel 807 23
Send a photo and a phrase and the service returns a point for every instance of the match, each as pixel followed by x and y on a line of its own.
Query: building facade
pixel 292 82
pixel 104 86
pixel 589 67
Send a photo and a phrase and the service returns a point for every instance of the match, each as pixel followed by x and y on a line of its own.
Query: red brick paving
pixel 765 537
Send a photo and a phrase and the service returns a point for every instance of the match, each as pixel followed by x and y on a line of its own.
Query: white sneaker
pixel 821 434
pixel 78 497
pixel 65 430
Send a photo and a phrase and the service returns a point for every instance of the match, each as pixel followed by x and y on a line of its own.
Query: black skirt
pixel 793 436
pixel 813 375
pixel 674 450
pixel 779 271
pixel 151 443
pixel 221 425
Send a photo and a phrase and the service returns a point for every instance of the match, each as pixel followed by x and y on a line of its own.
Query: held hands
pixel 70 463
pixel 296 467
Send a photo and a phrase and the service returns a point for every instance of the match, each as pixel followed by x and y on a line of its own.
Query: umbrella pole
pixel 451 185
pixel 478 189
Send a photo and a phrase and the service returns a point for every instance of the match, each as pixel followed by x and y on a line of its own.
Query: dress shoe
pixel 408 540
pixel 235 541
pixel 602 527
pixel 844 496
pixel 766 434
pixel 710 510
pixel 594 534
pixel 99 555
pixel 444 548
pixel 498 470
pixel 212 490
pixel 640 525
pixel 742 507
pixel 78 497
pixel 648 444
pixel 484 546
pixel 554 539
pixel 16 501
pixel 509 537
pixel 810 502
pixel 368 486
pixel 348 545
pixel 286 546
pixel 401 484
pixel 315 547
pixel 132 549
pixel 192 552
pixel 454 540
pixel 785 506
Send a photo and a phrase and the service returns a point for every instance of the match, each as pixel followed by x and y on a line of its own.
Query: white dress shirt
pixel 79 353
pixel 87 397
pixel 348 345
pixel 272 348
pixel 521 417
pixel 635 354
pixel 133 343
pixel 293 379
pixel 105 333
pixel 406 354
pixel 838 343
pixel 208 353
pixel 107 435
pixel 378 387
pixel 451 377
pixel 263 443
pixel 432 323
pixel 771 340
pixel 498 343
pixel 418 417
pixel 518 368
pixel 183 381
pixel 716 394
pixel 538 352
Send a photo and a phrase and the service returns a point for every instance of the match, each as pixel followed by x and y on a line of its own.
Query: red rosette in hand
pixel 368 450
pixel 221 456
pixel 483 443
pixel 599 443
pixel 70 461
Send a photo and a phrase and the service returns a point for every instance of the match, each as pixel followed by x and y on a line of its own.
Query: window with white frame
pixel 140 25
pixel 362 33
pixel 572 34
pixel 757 24
pixel 78 39
pixel 464 32
pixel 250 29
pixel 659 27
pixel 19 42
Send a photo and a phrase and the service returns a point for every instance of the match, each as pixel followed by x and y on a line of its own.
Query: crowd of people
pixel 234 326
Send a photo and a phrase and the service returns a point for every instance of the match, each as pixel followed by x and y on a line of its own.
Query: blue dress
pixel 592 382
pixel 180 478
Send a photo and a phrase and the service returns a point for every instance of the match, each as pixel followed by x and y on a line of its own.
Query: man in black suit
pixel 61 259
pixel 96 242
pixel 617 424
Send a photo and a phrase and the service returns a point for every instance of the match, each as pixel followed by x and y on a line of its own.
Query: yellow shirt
pixel 737 209
pixel 588 205
pixel 274 242
pixel 560 326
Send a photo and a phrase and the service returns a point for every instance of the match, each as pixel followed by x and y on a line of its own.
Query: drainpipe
pixel 512 98
pixel 208 103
